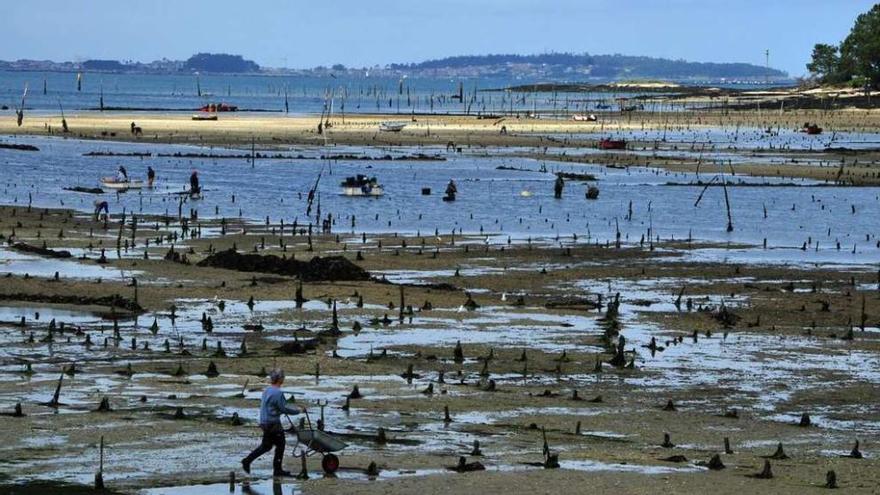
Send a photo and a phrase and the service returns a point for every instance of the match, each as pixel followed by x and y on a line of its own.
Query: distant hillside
pixel 202 62
pixel 607 67
pixel 559 68
pixel 103 65
pixel 220 62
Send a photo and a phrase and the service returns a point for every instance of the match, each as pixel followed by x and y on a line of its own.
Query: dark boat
pixel 612 144
pixel 812 129
pixel 218 107
pixel 361 185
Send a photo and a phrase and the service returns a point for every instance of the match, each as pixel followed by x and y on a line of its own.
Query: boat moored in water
pixel 392 126
pixel 361 185
pixel 612 144
pixel 121 185
pixel 812 129
pixel 218 107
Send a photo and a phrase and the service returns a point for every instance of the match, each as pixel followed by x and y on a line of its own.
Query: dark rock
pixel 766 473
pixel 855 453
pixel 458 353
pixel 465 467
pixel 675 458
pixel 726 317
pixel 476 450
pixel 41 251
pixel 715 463
pixel 212 370
pixel 779 454
pixel 87 190
pixel 317 269
pixel 114 301
pixel 470 304
pixel 236 420
pixel 299 346
pixel 831 479
pixel 805 420
pixel 104 406
pixel 18 147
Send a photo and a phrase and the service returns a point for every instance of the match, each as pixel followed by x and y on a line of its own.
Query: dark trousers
pixel 273 436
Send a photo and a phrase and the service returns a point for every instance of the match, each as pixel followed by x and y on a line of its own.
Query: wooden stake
pixel 99 476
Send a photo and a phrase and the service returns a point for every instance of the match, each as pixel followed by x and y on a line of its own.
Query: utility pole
pixel 767 64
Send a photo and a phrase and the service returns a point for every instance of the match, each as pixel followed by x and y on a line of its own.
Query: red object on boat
pixel 218 107
pixel 612 144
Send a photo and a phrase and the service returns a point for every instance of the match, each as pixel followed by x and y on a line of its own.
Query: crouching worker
pixel 272 406
pixel 102 210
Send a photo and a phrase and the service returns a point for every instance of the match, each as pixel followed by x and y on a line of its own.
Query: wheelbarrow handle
pixel 292 426
pixel 308 419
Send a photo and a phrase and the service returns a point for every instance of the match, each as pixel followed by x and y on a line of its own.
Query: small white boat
pixel 204 116
pixel 361 185
pixel 121 185
pixel 391 126
pixel 584 118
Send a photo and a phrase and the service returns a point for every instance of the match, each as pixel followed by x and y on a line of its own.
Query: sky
pixel 363 33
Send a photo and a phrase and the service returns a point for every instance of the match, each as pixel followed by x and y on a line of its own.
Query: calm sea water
pixel 304 94
pixel 490 200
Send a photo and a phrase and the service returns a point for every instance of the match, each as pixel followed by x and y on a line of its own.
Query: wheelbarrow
pixel 315 441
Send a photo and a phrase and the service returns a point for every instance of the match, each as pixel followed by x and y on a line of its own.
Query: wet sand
pixel 787 351
pixel 830 168
pixel 547 138
pixel 240 129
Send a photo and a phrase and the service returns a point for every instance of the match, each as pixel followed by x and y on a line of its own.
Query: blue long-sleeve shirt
pixel 273 405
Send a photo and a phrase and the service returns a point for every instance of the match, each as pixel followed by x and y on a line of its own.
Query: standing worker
pixel 557 187
pixel 194 188
pixel 272 406
pixel 451 191
pixel 151 176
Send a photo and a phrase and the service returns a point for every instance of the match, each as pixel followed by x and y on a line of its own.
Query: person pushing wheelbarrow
pixel 272 406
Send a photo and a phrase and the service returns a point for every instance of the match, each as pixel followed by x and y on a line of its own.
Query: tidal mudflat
pixel 710 320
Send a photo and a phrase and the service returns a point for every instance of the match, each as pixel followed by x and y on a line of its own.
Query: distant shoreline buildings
pixel 552 66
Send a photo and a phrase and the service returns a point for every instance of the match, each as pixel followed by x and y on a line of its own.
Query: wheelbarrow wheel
pixel 330 463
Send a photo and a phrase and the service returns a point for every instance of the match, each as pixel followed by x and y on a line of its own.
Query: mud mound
pixel 114 301
pixel 576 176
pixel 42 251
pixel 87 190
pixel 299 346
pixel 317 269
pixel 19 147
pixel 427 285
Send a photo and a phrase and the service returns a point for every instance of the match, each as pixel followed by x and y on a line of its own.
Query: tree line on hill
pixel 602 66
pixel 856 60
